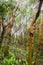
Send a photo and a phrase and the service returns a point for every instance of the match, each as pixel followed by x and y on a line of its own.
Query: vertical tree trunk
pixel 39 45
pixel 0 31
pixel 31 44
pixel 6 41
pixel 6 35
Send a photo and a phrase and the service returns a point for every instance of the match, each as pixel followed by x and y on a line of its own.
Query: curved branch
pixel 38 12
pixel 10 24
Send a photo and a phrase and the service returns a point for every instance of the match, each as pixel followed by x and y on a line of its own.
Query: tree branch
pixel 10 24
pixel 38 12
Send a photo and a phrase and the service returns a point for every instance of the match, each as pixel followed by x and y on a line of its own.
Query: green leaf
pixel 20 60
pixel 17 61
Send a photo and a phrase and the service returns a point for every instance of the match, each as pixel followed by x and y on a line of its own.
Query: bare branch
pixel 38 12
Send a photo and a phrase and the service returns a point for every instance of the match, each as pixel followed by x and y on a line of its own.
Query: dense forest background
pixel 16 17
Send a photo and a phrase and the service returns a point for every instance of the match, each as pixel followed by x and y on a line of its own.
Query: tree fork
pixel 32 32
